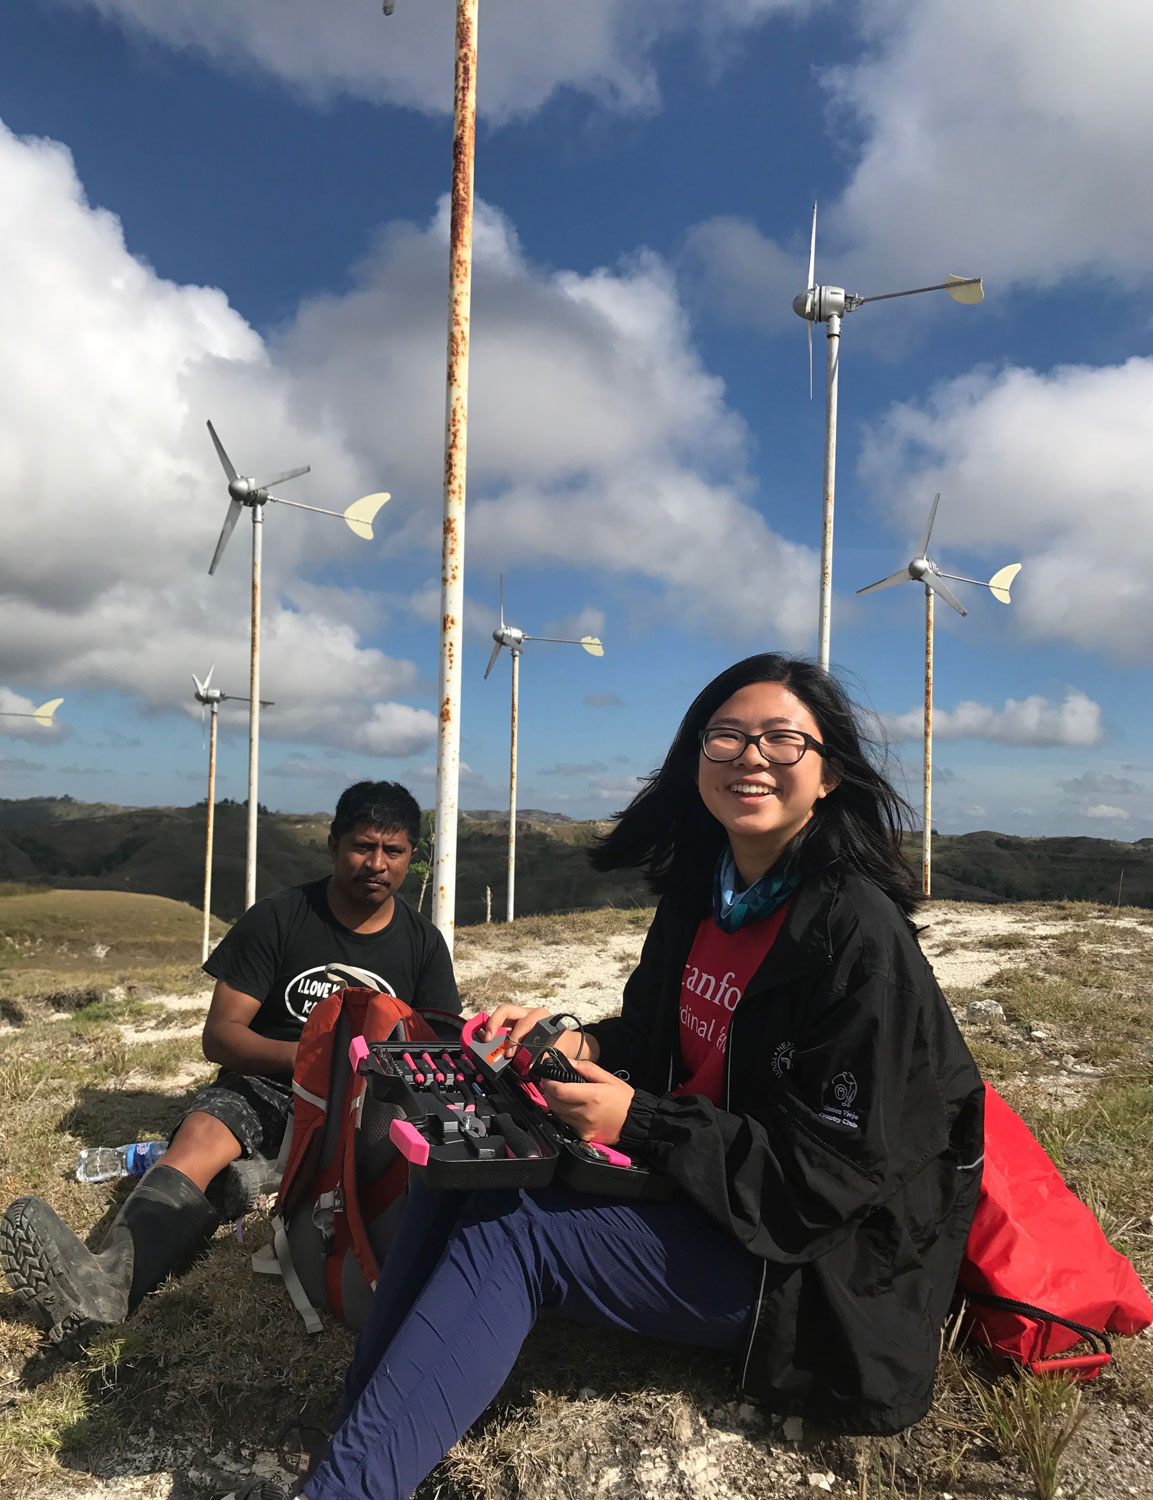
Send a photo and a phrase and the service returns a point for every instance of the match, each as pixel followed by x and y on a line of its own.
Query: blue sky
pixel 237 212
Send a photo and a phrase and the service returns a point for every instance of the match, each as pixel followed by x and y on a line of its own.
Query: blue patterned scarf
pixel 733 909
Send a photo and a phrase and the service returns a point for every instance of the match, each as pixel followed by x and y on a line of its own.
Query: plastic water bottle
pixel 103 1163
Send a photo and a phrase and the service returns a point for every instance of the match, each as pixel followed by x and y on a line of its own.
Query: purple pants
pixel 461 1289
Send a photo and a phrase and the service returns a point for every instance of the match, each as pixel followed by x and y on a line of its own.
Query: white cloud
pixel 1076 720
pixel 103 579
pixel 601 47
pixel 596 436
pixel 1048 470
pixel 1007 141
pixel 1103 810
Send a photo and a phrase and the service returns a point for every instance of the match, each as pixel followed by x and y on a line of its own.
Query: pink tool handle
pixel 409 1142
pixel 357 1051
pixel 534 1093
pixel 613 1157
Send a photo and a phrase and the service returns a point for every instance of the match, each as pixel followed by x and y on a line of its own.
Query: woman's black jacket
pixel 847 1155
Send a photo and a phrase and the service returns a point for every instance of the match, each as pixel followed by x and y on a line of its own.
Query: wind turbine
pixel 242 491
pixel 211 698
pixel 827 304
pixel 42 715
pixel 924 570
pixel 514 639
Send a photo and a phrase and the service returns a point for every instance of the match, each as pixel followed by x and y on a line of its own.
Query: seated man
pixel 270 972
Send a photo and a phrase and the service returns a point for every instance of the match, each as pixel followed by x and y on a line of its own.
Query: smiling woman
pixel 783 1054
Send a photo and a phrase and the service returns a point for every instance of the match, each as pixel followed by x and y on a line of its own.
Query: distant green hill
pixel 160 851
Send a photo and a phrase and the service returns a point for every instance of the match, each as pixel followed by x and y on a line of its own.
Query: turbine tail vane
pixel 1000 581
pixel 43 714
pixel 360 514
pixel 967 290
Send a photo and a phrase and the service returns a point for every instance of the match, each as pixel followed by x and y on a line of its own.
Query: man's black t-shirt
pixel 279 949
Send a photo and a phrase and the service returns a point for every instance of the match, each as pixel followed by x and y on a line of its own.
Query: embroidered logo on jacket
pixel 782 1059
pixel 836 1105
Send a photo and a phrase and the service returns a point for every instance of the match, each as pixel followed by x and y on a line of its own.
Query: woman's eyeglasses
pixel 780 747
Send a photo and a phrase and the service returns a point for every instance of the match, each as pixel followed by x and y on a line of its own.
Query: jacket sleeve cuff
pixel 634 1136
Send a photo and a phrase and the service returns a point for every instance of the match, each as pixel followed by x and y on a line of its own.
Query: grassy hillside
pixel 160 850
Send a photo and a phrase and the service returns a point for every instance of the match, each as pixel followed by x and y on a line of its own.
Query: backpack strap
pixel 288 1274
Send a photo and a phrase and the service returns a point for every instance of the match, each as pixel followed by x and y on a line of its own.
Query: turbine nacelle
pixel 820 303
pixel 509 635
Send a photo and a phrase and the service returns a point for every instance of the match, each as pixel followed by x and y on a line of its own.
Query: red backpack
pixel 1039 1276
pixel 343 1188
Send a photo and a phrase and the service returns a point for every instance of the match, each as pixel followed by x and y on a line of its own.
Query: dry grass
pixel 218 1364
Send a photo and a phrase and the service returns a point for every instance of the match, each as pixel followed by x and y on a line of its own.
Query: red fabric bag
pixel 1038 1273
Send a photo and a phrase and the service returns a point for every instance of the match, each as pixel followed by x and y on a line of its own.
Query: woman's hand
pixel 596 1110
pixel 519 1020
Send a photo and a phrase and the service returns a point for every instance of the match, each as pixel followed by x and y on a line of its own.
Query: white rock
pixel 985 1010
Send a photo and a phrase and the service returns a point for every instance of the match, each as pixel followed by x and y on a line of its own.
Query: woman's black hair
pixel 667 832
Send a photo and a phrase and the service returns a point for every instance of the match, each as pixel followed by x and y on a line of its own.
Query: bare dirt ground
pixel 617 1420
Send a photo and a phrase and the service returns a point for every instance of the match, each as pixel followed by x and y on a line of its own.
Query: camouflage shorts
pixel 255 1109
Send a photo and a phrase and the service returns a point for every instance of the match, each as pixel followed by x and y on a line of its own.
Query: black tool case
pixel 463 1128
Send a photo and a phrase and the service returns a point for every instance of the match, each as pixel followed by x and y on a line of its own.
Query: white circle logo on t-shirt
pixel 307 989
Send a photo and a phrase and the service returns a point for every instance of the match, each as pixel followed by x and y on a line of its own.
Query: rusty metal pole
pixel 824 623
pixel 455 453
pixel 254 710
pixel 512 788
pixel 927 789
pixel 210 830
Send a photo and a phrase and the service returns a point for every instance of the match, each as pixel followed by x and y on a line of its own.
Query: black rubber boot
pixel 161 1228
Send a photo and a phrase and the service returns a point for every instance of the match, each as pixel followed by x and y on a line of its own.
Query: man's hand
pixel 229 1040
pixel 519 1020
pixel 596 1110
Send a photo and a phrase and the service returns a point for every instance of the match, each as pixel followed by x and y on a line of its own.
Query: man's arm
pixel 229 1040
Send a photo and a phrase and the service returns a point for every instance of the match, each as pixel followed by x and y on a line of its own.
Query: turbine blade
pixel 360 513
pixel 208 679
pixel 811 283
pixel 809 324
pixel 592 645
pixel 968 290
pixel 1000 581
pixel 220 453
pixel 43 714
pixel 501 586
pixel 200 686
pixel 230 520
pixel 887 583
pixel 923 545
pixel 266 484
pixel 931 581
pixel 492 659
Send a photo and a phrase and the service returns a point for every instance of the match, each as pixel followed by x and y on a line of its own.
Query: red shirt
pixel 719 967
